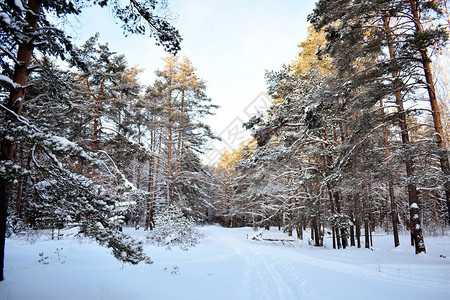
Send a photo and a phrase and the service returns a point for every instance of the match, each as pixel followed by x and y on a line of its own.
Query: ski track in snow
pixel 226 265
pixel 265 267
pixel 270 268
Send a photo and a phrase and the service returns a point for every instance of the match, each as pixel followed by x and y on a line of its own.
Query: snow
pixel 10 82
pixel 256 236
pixel 414 205
pixel 63 144
pixel 19 4
pixel 227 265
pixel 5 18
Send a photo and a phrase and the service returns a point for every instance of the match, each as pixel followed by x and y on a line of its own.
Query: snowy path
pixel 228 266
pixel 264 277
pixel 274 271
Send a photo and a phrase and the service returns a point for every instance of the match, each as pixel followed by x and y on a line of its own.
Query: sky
pixel 231 43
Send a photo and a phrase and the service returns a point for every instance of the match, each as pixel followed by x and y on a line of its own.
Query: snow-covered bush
pixel 14 226
pixel 172 228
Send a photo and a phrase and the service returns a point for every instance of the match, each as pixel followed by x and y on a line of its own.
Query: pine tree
pixel 27 29
pixel 423 39
pixel 350 24
pixel 180 102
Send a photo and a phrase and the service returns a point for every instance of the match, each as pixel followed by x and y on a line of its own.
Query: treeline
pixel 356 137
pixel 100 128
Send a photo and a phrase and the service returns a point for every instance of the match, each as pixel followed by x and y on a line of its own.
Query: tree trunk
pixel 352 234
pixel 342 234
pixel 15 103
pixel 138 184
pixel 358 232
pixel 338 238
pixel 333 211
pixel 334 237
pixel 151 190
pixel 180 133
pixel 371 226
pixel 394 214
pixel 436 111
pixel 97 104
pixel 344 238
pixel 150 186
pixel 412 190
pixel 20 186
pixel 5 187
pixel 300 231
pixel 316 232
pixel 138 204
pixel 366 233
pixel 158 164
pixel 169 153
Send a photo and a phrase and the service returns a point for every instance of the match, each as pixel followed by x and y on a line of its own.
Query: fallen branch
pixel 258 237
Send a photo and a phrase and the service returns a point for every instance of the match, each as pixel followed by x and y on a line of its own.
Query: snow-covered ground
pixel 226 265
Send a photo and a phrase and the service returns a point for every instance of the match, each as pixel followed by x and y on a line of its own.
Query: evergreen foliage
pixel 172 228
pixel 344 147
pixel 57 164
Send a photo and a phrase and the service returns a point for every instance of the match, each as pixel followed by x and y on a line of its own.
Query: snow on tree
pixel 172 228
pixel 27 29
pixel 178 101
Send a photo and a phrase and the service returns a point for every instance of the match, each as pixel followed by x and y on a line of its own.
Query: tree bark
pixel 340 232
pixel 366 233
pixel 149 189
pixel 138 183
pixel 334 237
pixel 169 152
pixel 15 103
pixel 436 111
pixel 150 183
pixel 316 232
pixel 300 230
pixel 352 236
pixel 333 211
pixel 96 110
pixel 358 232
pixel 394 214
pixel 412 190
pixel 155 181
pixel 352 229
pixel 20 186
pixel 180 134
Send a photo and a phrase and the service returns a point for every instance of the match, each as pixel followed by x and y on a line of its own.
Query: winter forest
pixel 346 173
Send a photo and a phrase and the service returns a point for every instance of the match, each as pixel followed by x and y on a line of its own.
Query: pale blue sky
pixel 231 43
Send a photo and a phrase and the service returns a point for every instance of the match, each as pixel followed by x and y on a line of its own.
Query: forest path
pixel 264 276
pixel 270 270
